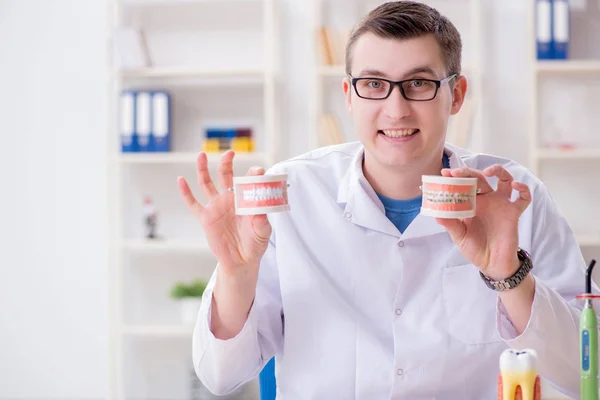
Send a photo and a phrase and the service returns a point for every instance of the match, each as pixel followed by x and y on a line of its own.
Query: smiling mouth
pixel 396 133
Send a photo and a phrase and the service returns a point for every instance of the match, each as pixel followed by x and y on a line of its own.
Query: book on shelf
pixel 332 44
pixel 329 130
pixel 131 50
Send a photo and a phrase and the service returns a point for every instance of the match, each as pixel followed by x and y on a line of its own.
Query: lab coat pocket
pixel 470 305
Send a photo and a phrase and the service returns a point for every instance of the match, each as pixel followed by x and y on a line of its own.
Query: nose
pixel 396 107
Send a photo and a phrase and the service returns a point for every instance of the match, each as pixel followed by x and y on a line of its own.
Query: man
pixel 356 293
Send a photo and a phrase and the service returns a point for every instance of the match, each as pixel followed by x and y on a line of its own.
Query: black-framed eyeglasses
pixel 412 89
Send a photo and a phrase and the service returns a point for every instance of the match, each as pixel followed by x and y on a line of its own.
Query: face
pixel 395 131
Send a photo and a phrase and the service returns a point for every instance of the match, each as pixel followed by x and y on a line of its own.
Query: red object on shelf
pixel 566 146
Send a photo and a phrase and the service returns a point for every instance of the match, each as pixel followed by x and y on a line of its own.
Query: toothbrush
pixel 588 330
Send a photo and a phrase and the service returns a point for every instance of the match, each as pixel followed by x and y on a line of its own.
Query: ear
pixel 458 94
pixel 347 87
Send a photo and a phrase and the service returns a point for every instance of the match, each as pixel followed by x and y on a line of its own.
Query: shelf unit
pixel 141 271
pixel 568 169
pixel 189 158
pixel 324 74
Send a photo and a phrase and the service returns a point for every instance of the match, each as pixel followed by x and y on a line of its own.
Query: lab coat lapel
pixel 362 205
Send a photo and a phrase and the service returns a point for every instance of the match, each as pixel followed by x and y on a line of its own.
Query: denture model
pixel 518 378
pixel 446 197
pixel 261 194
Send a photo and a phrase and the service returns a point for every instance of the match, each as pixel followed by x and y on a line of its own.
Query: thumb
pixel 455 227
pixel 255 171
pixel 262 227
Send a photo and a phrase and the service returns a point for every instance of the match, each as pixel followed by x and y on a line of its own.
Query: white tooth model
pixel 518 378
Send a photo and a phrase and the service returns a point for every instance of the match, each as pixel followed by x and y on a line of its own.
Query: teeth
pixel 518 369
pixel 262 193
pixel 447 197
pixel 399 132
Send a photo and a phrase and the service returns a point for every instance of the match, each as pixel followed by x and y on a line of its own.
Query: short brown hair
pixel 409 19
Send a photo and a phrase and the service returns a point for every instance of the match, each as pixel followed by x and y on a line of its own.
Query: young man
pixel 357 294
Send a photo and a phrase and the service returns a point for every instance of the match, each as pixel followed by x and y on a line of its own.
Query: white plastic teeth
pixel 398 132
pixel 518 368
pixel 447 197
pixel 262 193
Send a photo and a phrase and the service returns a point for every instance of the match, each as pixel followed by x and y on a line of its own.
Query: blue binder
pixel 543 29
pixel 127 116
pixel 560 29
pixel 143 122
pixel 161 121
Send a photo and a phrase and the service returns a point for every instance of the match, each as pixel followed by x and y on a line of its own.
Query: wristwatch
pixel 516 279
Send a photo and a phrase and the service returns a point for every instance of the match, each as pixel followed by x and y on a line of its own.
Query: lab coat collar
pixel 363 207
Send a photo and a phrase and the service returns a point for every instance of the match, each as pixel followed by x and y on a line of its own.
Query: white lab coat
pixel 352 309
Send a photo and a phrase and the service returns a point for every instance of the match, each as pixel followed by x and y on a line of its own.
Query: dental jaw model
pixel 445 197
pixel 261 194
pixel 518 379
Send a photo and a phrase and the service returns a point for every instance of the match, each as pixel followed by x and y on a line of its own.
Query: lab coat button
pixel 348 215
pixel 398 311
pixel 401 243
pixel 400 372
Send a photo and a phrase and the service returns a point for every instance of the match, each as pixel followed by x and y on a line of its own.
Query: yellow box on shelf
pixel 242 144
pixel 211 146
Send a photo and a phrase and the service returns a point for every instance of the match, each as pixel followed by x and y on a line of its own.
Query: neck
pixel 400 182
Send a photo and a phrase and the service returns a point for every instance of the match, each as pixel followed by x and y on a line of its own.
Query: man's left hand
pixel 490 239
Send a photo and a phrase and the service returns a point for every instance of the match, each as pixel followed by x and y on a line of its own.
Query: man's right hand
pixel 238 243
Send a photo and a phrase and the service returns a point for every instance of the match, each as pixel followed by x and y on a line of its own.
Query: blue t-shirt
pixel 402 212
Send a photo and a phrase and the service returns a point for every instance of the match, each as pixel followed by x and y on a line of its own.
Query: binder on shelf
pixel 161 121
pixel 560 29
pixel 143 122
pixel 127 117
pixel 543 14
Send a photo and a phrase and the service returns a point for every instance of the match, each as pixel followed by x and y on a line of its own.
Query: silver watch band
pixel 516 279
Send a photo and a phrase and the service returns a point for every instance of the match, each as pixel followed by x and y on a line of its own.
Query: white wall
pixel 53 291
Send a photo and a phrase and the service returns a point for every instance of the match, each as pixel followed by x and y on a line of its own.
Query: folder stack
pixel 552 29
pixel 145 118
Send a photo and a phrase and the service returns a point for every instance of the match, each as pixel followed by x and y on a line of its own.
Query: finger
pixel 255 171
pixel 524 199
pixel 455 227
pixel 225 171
pixel 190 201
pixel 483 185
pixel 204 181
pixel 447 172
pixel 505 179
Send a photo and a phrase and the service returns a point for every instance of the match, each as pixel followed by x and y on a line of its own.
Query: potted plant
pixel 189 296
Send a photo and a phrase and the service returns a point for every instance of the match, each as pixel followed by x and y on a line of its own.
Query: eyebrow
pixel 380 74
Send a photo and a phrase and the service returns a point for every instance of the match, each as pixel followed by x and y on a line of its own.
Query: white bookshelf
pixel 327 79
pixel 169 72
pixel 567 154
pixel 589 240
pixel 210 83
pixel 563 150
pixel 158 331
pixel 175 246
pixel 568 66
pixel 182 157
